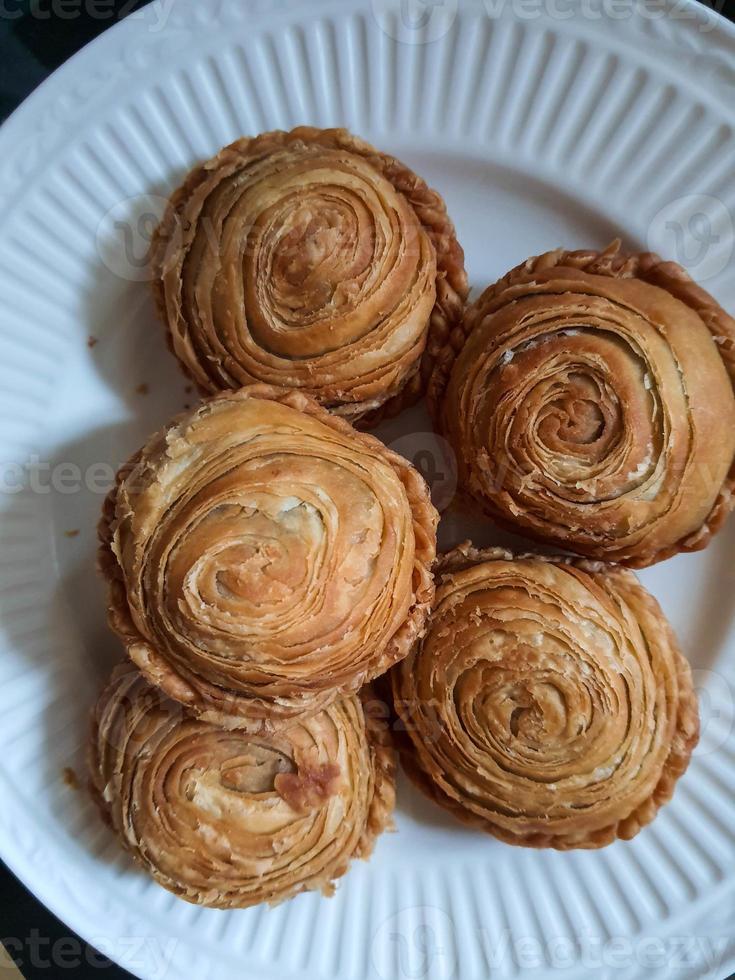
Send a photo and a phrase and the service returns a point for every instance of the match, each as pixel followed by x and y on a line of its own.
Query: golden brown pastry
pixel 264 558
pixel 548 703
pixel 589 398
pixel 226 819
pixel 308 260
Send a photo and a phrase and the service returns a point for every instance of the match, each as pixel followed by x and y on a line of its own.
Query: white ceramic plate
pixel 540 129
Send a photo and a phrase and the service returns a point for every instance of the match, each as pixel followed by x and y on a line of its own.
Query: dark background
pixel 34 40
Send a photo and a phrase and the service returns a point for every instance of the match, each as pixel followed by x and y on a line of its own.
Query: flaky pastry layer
pixel 548 704
pixel 309 260
pixel 226 819
pixel 265 558
pixel 589 399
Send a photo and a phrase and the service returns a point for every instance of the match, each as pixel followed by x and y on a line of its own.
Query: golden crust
pixel 226 820
pixel 265 558
pixel 548 704
pixel 589 406
pixel 309 260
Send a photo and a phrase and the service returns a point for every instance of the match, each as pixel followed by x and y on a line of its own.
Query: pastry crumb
pixel 92 340
pixel 142 389
pixel 72 532
pixel 187 405
pixel 70 777
pixel 188 389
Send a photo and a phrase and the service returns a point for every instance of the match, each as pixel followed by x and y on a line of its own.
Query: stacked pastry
pixel 548 703
pixel 266 562
pixel 589 399
pixel 313 261
pixel 266 558
pixel 225 819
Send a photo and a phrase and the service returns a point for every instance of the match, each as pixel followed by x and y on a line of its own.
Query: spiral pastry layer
pixel 548 703
pixel 589 399
pixel 308 260
pixel 264 558
pixel 228 820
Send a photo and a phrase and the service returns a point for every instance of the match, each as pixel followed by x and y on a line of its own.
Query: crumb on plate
pixel 70 777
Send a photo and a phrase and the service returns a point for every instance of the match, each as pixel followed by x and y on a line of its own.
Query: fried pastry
pixel 308 260
pixel 589 399
pixel 548 703
pixel 264 558
pixel 226 819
